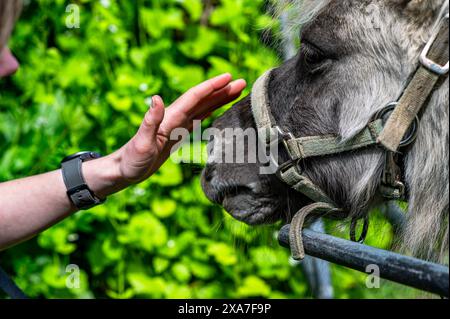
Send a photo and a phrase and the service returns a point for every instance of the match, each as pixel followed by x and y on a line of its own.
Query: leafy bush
pixel 85 89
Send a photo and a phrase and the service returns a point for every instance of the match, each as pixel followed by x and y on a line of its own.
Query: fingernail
pixel 149 102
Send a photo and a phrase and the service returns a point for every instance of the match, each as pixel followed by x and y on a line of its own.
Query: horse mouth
pixel 250 209
pixel 242 202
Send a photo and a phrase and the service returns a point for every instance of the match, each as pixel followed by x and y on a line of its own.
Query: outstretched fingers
pixel 219 98
pixel 188 102
pixel 184 110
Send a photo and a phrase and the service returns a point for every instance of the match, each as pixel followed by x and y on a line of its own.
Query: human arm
pixel 31 205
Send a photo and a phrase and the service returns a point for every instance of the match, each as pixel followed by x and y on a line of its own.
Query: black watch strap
pixel 77 189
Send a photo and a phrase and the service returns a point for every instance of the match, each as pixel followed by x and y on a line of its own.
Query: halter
pixel 399 131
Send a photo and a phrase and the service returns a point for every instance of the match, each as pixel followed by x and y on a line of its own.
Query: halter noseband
pixel 399 131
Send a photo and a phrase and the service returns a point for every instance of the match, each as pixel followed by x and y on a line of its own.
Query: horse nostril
pixel 209 172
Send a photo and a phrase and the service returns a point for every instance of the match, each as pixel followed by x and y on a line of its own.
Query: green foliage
pixel 85 89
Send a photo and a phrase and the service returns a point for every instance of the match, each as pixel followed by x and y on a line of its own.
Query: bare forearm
pixel 31 205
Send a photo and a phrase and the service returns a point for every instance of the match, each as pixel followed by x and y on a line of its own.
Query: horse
pixel 356 57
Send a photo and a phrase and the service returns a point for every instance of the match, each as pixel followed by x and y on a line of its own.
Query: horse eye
pixel 313 58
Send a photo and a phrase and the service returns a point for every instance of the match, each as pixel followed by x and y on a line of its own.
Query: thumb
pixel 153 119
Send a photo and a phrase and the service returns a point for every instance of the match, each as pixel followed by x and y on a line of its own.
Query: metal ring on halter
pixel 364 232
pixel 411 135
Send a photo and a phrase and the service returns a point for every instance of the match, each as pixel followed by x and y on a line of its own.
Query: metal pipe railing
pixel 401 269
pixel 9 286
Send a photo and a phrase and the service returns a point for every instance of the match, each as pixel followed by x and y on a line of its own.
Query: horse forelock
pixel 306 10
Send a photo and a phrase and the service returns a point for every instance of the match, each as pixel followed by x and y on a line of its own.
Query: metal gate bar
pixel 401 269
pixel 9 286
pixel 318 271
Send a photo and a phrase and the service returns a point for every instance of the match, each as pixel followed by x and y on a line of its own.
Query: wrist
pixel 103 175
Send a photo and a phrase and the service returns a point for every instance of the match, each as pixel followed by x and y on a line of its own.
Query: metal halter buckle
pixel 428 63
pixel 283 137
pixel 411 135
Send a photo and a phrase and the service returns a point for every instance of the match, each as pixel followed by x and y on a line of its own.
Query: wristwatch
pixel 78 191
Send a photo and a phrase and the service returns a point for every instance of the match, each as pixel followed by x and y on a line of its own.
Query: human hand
pixel 151 146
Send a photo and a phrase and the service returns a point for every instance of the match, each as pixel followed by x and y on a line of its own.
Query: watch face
pixel 84 156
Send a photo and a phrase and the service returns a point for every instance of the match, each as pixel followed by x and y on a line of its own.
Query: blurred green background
pixel 84 89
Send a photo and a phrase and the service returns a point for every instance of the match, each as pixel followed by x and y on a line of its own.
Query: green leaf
pixel 127 294
pixel 183 78
pixel 222 253
pixel 201 45
pixel 253 287
pixel 157 21
pixel 168 175
pixel 164 208
pixel 175 291
pixel 54 276
pixel 145 232
pixel 57 238
pixel 160 264
pixel 194 7
pixel 112 250
pixel 144 285
pixel 271 263
pixel 181 272
pixel 201 270
pixel 97 259
pixel 76 71
pixel 121 104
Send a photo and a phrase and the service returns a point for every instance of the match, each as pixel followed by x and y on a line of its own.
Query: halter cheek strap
pixel 261 109
pixel 392 136
pixel 434 64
